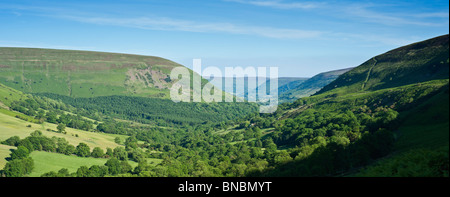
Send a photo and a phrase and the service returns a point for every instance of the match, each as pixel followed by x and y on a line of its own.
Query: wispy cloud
pixel 444 15
pixel 279 4
pixel 374 40
pixel 366 14
pixel 169 24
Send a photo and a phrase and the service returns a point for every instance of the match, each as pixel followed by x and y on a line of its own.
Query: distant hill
pixel 289 88
pixel 414 63
pixel 85 73
pixel 282 81
pixel 298 89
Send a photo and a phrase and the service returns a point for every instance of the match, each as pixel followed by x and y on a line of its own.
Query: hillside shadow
pixel 335 159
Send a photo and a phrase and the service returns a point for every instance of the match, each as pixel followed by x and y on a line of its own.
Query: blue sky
pixel 302 38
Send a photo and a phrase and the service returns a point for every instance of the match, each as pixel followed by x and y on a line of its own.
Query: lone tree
pixel 113 165
pixel 83 150
pixel 97 152
pixel 61 127
pixel 117 140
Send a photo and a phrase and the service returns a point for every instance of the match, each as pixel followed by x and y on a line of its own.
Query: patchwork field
pixel 11 126
pixel 46 161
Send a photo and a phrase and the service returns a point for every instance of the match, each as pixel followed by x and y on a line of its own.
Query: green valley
pixel 107 114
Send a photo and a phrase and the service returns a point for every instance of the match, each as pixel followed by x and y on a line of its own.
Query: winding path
pixel 368 74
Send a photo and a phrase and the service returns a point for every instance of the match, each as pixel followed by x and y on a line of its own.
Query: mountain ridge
pixel 416 62
pixel 295 90
pixel 79 73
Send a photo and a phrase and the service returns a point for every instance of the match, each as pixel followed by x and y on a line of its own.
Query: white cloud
pixel 278 4
pixel 168 24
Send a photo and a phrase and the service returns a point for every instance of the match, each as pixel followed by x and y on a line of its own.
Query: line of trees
pixel 38 142
pixel 56 113
pixel 112 167
pixel 19 164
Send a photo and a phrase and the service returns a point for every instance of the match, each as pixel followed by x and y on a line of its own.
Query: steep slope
pixel 422 145
pixel 298 89
pixel 84 73
pixel 418 62
pixel 426 125
pixel 387 117
pixel 8 95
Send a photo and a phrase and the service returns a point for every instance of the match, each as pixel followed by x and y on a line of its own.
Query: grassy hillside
pixel 418 62
pixel 12 126
pixel 298 89
pixel 387 117
pixel 115 77
pixel 84 73
pixel 426 125
pixel 423 142
pixel 369 131
pixel 8 95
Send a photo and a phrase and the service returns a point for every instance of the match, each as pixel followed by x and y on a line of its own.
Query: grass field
pixel 45 162
pixel 11 126
pixel 4 153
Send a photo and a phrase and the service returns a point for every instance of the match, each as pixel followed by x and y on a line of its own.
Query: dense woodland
pixel 161 112
pixel 326 139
